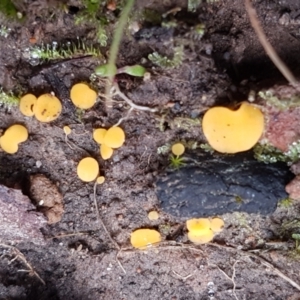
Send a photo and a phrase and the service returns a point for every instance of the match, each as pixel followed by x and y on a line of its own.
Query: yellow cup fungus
pixel 202 230
pixel 232 131
pixel 216 225
pixel 88 169
pixel 106 152
pixel 83 96
pixel 153 215
pixel 67 130
pixel 99 134
pixel 178 149
pixel 100 180
pixel 14 135
pixel 114 137
pixel 108 140
pixel 27 103
pixel 141 238
pixel 47 108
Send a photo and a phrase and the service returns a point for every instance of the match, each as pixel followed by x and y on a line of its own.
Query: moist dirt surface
pixel 254 257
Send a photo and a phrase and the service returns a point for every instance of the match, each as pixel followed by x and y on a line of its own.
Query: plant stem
pixel 114 48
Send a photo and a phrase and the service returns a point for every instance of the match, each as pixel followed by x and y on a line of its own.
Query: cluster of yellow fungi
pixel 109 139
pixel 12 137
pixel 45 108
pixel 201 231
pixel 232 131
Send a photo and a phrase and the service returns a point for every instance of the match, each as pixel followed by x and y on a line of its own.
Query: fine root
pixel 267 46
pixel 19 255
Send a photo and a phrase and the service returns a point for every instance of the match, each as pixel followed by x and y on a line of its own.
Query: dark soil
pixel 77 259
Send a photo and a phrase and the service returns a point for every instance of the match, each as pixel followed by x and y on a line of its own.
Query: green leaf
pixel 296 236
pixel 106 70
pixel 136 70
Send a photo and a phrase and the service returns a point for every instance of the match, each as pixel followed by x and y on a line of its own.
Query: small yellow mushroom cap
pixel 201 239
pixel 178 149
pixel 232 131
pixel 67 130
pixel 198 225
pixel 114 137
pixel 153 215
pixel 216 225
pixel 14 135
pixel 88 169
pixel 47 108
pixel 142 238
pixel 100 179
pixel 27 104
pixel 199 230
pixel 106 152
pixel 83 96
pixel 99 134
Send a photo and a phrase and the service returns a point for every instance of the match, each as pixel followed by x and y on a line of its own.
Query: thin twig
pixel 21 256
pixel 262 261
pixel 66 235
pixel 228 277
pixel 267 46
pixel 183 277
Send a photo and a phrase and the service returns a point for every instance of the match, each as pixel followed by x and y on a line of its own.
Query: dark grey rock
pixel 211 185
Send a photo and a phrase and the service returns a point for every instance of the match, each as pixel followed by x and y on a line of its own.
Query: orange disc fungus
pixel 47 108
pixel 199 231
pixel 153 215
pixel 99 134
pixel 88 169
pixel 142 238
pixel 83 96
pixel 114 137
pixel 106 152
pixel 27 104
pixel 216 225
pixel 178 149
pixel 232 131
pixel 14 135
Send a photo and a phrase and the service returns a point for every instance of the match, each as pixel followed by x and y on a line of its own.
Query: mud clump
pixel 47 197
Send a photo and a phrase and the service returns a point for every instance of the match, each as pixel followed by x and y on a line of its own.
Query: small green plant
pixel 4 31
pixel 39 54
pixel 8 100
pixel 269 154
pixel 285 203
pixel 296 237
pixel 90 16
pixel 198 31
pixel 165 62
pixel 282 104
pixel 111 70
pixel 207 148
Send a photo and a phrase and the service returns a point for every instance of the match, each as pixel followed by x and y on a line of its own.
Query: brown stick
pixel 267 46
